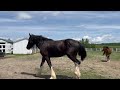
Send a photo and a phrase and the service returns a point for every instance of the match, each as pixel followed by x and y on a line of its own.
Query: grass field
pixel 97 55
pixel 91 68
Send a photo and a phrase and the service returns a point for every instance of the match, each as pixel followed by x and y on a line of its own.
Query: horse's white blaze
pixel 53 75
pixel 77 71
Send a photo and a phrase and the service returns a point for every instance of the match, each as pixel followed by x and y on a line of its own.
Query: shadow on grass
pixel 104 61
pixel 48 76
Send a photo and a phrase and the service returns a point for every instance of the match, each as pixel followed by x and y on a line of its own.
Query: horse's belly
pixel 56 54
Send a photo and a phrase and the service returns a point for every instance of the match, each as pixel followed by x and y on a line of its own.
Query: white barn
pixel 6 45
pixel 19 47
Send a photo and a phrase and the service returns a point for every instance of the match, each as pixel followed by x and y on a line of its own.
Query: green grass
pixel 91 75
pixel 92 55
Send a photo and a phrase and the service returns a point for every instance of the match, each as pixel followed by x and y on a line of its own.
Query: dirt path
pixel 12 68
pixel 107 69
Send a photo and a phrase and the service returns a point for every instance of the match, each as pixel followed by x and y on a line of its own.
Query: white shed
pixel 19 47
pixel 6 45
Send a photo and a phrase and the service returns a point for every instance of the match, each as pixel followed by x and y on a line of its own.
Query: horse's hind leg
pixel 77 64
pixel 108 58
pixel 53 75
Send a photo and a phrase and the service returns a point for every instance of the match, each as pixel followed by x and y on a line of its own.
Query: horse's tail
pixel 82 52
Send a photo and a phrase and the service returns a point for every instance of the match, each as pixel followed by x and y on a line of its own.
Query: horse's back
pixel 72 43
pixel 54 48
pixel 109 51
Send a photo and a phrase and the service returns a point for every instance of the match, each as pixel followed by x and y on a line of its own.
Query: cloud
pixel 99 39
pixel 52 13
pixel 98 26
pixel 7 20
pixel 86 37
pixel 44 18
pixel 77 38
pixel 56 13
pixel 23 15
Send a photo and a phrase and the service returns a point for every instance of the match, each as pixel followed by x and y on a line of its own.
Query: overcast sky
pixel 97 26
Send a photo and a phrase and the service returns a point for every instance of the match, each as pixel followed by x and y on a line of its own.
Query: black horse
pixel 51 48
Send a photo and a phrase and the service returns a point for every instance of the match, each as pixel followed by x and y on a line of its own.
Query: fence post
pixel 112 49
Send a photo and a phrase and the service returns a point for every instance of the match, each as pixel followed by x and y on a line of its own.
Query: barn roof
pixel 7 40
pixel 20 40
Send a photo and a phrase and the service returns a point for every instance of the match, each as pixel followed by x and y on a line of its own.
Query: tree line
pixel 87 44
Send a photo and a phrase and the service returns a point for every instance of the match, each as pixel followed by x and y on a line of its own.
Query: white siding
pixel 8 46
pixel 20 47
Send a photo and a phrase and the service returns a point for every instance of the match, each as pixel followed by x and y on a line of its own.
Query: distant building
pixel 6 45
pixel 19 47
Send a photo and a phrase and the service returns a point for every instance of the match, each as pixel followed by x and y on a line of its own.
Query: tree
pixel 86 41
pixel 83 41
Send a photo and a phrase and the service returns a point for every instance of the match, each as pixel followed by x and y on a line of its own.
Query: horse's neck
pixel 39 44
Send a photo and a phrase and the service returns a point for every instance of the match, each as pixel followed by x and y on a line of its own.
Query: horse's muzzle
pixel 27 47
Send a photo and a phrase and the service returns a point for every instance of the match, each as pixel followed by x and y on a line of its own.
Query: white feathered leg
pixel 53 75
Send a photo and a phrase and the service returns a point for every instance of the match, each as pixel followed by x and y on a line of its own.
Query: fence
pixel 100 49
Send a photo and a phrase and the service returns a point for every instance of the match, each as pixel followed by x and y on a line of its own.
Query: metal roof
pixel 20 40
pixel 7 40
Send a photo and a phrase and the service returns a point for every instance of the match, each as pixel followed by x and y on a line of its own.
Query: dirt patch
pixel 107 69
pixel 25 68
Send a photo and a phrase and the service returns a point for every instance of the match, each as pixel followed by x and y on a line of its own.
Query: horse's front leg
pixel 41 67
pixel 77 71
pixel 53 75
pixel 108 58
pixel 103 53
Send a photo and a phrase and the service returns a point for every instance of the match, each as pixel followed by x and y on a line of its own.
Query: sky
pixel 97 26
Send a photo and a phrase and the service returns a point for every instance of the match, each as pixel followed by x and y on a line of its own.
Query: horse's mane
pixel 106 47
pixel 42 38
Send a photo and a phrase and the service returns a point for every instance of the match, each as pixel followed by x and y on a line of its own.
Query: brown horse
pixel 107 51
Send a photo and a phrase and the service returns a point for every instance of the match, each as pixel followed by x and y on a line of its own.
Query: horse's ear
pixel 29 34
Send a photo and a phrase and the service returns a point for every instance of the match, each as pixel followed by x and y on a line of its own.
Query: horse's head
pixel 82 52
pixel 31 41
pixel 83 55
pixel 105 48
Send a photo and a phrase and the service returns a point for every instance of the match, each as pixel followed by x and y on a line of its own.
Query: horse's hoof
pixel 53 78
pixel 77 77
